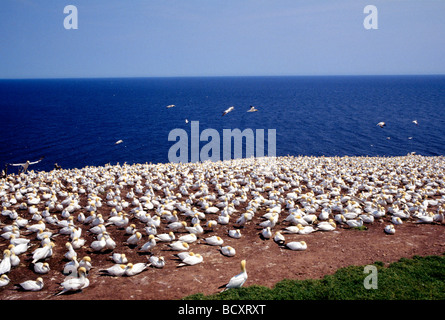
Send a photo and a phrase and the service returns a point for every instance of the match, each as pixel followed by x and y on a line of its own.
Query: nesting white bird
pixel 75 283
pixel 5 264
pixel 41 267
pixel 266 233
pixel 297 245
pixel 228 251
pixel 389 229
pixel 157 262
pixel 214 241
pixel 32 285
pixel 4 280
pixel 134 239
pixel 188 238
pixel 191 260
pixel 179 245
pixel 134 269
pixel 149 245
pixel 279 238
pixel 116 270
pixel 234 233
pixel 165 237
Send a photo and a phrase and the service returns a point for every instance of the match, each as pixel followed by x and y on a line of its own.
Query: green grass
pixel 419 278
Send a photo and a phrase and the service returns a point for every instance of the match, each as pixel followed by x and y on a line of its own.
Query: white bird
pixel 176 225
pixel 238 280
pixel 26 164
pixel 197 229
pixel 228 251
pixel 396 220
pixel 381 124
pixel 266 233
pixel 157 262
pixel 389 229
pixel 75 283
pixel 279 238
pixel 326 225
pixel 149 244
pixel 214 241
pixel 415 122
pixel 36 227
pixel 228 110
pixel 252 109
pixel 71 266
pixel 78 243
pixel 189 238
pixel 355 223
pixel 4 280
pixel 71 252
pixel 32 285
pixel 116 270
pixel 165 237
pixel 41 267
pixel 170 106
pixel 118 141
pixel 98 245
pixel 43 252
pixel 5 264
pixel 134 269
pixel 191 260
pixel 119 258
pixel 179 245
pixel 134 239
pixel 297 245
pixel 235 233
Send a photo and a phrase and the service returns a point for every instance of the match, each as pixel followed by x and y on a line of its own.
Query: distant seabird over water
pixel 252 109
pixel 381 124
pixel 228 110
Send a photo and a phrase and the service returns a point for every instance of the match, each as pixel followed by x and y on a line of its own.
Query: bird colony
pixel 67 219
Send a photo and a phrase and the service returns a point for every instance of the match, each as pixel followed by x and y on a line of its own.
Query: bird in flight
pixel 228 110
pixel 26 164
pixel 252 109
pixel 415 122
pixel 170 106
pixel 381 124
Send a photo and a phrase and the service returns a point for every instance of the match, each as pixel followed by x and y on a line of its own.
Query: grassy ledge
pixel 419 278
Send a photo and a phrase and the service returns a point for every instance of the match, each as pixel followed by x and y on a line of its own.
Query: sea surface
pixel 76 122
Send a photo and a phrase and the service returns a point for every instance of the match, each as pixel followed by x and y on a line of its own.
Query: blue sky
pixel 146 38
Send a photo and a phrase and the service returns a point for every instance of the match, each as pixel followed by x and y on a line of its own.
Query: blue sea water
pixel 76 122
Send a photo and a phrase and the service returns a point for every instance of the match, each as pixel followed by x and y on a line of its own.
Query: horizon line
pixel 225 76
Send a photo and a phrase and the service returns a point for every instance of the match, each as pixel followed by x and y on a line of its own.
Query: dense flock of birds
pixel 290 195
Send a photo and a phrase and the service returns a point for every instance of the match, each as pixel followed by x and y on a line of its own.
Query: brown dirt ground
pixel 267 262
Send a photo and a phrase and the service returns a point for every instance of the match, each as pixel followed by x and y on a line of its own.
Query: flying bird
pixel 26 164
pixel 228 110
pixel 252 109
pixel 170 106
pixel 415 122
pixel 381 124
pixel 118 142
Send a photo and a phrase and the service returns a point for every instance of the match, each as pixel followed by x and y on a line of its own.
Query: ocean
pixel 76 122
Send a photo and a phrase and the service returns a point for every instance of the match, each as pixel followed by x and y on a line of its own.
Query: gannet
pixel 415 122
pixel 32 285
pixel 157 262
pixel 179 245
pixel 228 110
pixel 43 252
pixel 4 280
pixel 252 109
pixel 165 237
pixel 134 239
pixel 191 260
pixel 238 280
pixel 381 124
pixel 5 264
pixel 214 241
pixel 279 238
pixel 149 244
pixel 389 229
pixel 41 267
pixel 134 269
pixel 266 233
pixel 228 251
pixel 116 270
pixel 297 245
pixel 189 238
pixel 118 141
pixel 119 258
pixel 71 252
pixel 26 164
pixel 75 283
pixel 170 106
